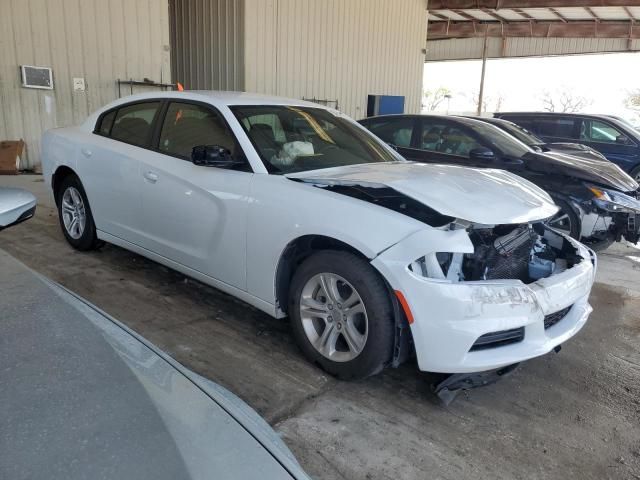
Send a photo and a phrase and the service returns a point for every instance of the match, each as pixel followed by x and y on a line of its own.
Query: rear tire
pixel 75 215
pixel 341 314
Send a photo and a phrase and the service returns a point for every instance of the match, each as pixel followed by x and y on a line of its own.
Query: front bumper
pixel 450 317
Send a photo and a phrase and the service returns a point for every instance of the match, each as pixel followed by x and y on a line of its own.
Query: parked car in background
pixel 84 397
pixel 616 139
pixel 299 211
pixel 596 198
pixel 538 144
pixel 16 205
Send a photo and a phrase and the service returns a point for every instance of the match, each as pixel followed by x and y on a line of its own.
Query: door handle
pixel 86 152
pixel 150 176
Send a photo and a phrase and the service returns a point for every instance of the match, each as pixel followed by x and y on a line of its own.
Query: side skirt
pixel 252 300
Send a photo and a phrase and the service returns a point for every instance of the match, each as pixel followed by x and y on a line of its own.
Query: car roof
pixel 492 120
pixel 219 97
pixel 619 122
pixel 455 118
pixel 556 114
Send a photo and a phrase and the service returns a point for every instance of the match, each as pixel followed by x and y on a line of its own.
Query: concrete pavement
pixel 574 414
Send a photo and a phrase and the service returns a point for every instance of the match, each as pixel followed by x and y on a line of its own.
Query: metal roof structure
pixel 529 28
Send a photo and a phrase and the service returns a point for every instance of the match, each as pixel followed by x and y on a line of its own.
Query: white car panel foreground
pixel 299 211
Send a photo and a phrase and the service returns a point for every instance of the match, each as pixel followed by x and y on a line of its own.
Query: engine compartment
pixel 525 252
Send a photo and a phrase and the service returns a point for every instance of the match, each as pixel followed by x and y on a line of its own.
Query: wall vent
pixel 36 77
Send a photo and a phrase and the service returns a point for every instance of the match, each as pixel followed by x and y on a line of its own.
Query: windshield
pixel 522 134
pixel 296 139
pixel 624 122
pixel 498 139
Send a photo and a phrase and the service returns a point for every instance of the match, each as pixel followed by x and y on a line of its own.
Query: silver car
pixel 85 397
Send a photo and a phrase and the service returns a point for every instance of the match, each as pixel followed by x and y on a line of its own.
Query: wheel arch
pixel 301 248
pixel 296 251
pixel 62 172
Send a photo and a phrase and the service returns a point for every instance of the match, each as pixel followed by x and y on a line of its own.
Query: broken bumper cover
pixel 449 317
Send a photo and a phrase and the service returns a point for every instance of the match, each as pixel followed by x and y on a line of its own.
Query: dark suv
pixel 618 141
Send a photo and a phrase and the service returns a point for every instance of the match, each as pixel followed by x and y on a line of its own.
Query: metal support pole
pixel 484 66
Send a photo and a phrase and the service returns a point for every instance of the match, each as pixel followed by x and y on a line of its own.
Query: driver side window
pixel 188 125
pixel 596 131
pixel 444 138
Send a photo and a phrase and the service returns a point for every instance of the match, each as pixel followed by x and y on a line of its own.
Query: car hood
pixel 602 172
pixel 99 401
pixel 477 195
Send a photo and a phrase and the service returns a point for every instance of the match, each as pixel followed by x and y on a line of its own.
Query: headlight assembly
pixel 613 201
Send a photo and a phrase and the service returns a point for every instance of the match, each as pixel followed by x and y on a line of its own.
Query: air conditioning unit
pixel 36 77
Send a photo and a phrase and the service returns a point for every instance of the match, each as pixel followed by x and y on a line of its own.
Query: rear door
pixel 110 167
pixel 397 131
pixel 195 215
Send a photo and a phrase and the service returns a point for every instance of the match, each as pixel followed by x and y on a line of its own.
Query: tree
pixel 632 102
pixel 431 99
pixel 564 101
pixel 490 103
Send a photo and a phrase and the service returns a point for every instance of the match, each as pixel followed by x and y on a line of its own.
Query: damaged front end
pixel 525 252
pixel 622 209
pixel 487 296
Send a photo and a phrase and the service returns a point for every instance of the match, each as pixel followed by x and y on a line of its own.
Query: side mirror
pixel 16 205
pixel 622 139
pixel 212 156
pixel 482 154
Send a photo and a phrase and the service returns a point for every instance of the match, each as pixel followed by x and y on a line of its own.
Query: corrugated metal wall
pixel 97 40
pixel 336 50
pixel 471 48
pixel 207 43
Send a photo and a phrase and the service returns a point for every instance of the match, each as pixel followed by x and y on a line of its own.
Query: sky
pixel 604 80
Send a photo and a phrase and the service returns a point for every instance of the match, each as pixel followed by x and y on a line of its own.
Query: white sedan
pixel 300 212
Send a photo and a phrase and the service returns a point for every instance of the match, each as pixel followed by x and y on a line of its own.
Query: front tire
pixel 566 220
pixel 341 313
pixel 75 215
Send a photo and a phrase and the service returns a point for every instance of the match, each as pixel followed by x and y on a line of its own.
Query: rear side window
pixel 396 131
pixel 188 125
pixel 105 123
pixel 524 122
pixel 555 127
pixel 133 123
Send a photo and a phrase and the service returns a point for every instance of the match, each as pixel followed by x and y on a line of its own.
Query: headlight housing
pixel 613 201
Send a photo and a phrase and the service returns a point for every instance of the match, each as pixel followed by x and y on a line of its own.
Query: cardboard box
pixel 10 152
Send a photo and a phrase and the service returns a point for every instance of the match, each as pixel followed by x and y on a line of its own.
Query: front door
pixel 610 141
pixel 440 141
pixel 196 215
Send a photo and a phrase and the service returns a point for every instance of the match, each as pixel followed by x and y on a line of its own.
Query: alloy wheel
pixel 74 214
pixel 334 317
pixel 561 222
